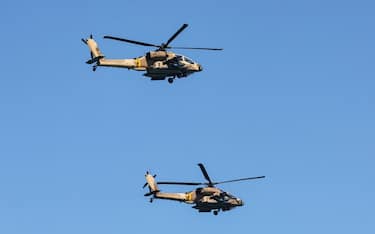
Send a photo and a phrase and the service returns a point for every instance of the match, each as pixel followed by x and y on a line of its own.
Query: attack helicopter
pixel 158 64
pixel 205 199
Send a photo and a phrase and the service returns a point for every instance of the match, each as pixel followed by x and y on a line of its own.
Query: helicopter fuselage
pixel 157 64
pixel 205 199
pixel 211 198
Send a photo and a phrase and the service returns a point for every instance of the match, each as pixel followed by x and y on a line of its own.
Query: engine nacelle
pixel 157 55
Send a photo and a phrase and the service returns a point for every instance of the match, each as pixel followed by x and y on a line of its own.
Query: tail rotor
pixel 95 53
pixel 152 185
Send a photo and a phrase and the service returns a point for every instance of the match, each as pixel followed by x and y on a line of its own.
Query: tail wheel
pixel 216 212
pixel 170 80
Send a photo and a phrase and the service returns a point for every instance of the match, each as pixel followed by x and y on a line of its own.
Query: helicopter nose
pixel 200 68
pixel 240 202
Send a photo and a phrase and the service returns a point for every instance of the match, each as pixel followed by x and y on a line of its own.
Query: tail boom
pixel 98 58
pixel 171 196
pixel 121 63
pixel 154 190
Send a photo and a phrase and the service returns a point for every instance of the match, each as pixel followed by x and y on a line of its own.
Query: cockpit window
pixel 183 58
pixel 188 60
pixel 229 195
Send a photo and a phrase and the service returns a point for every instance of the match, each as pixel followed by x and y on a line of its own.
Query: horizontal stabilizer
pixel 94 60
pixel 151 193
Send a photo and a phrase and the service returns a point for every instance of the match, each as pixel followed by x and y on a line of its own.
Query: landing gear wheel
pixel 151 200
pixel 94 68
pixel 216 212
pixel 170 80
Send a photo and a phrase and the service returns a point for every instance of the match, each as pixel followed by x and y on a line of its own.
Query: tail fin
pixel 152 185
pixel 96 54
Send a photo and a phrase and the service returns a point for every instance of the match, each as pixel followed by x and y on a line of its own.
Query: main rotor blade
pixel 249 178
pixel 131 41
pixel 203 169
pixel 194 48
pixel 175 35
pixel 180 183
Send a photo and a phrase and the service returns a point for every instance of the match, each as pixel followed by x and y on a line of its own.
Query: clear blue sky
pixel 291 97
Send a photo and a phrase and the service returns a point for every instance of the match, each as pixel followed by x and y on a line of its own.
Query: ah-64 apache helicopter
pixel 205 199
pixel 159 64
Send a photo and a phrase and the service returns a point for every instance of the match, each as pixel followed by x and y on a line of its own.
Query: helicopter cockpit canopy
pixel 184 58
pixel 227 196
